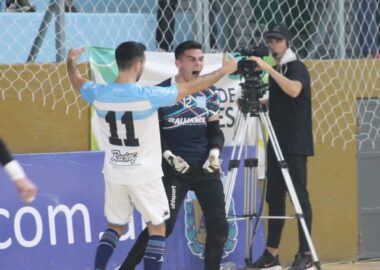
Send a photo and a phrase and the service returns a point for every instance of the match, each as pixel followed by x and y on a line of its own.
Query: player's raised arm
pixel 204 81
pixel 75 77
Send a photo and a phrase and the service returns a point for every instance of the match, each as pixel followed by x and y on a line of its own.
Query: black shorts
pixel 208 189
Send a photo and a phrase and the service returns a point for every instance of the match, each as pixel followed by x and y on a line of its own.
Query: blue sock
pixel 105 248
pixel 154 252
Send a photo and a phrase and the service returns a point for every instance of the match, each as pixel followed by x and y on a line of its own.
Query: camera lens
pixel 246 67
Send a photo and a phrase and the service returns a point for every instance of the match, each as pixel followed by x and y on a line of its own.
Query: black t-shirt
pixel 291 117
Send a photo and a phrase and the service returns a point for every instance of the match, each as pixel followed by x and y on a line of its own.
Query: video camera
pixel 253 88
pixel 246 68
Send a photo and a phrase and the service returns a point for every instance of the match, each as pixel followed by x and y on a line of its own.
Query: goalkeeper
pixel 191 143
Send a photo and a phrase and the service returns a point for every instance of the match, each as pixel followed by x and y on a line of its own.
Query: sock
pixel 105 248
pixel 154 253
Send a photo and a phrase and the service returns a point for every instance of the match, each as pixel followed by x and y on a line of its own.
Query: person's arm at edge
pixel 26 188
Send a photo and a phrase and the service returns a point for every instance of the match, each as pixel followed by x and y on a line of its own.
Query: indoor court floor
pixel 360 265
pixel 364 265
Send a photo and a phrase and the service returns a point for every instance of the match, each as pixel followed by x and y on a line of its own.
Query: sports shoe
pixel 302 262
pixel 266 262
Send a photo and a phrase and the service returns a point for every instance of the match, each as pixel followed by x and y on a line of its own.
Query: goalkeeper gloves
pixel 178 163
pixel 212 164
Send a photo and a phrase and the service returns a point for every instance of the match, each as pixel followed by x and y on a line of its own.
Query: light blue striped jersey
pixel 128 123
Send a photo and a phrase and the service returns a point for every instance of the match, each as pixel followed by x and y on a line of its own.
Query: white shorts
pixel 149 199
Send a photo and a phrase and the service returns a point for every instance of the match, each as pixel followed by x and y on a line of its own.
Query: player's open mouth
pixel 196 73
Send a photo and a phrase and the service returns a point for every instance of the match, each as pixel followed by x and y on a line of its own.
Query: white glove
pixel 178 163
pixel 212 164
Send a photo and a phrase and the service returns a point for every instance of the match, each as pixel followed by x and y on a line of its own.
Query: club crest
pixel 195 229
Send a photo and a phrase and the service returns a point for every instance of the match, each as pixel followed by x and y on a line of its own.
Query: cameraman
pixel 290 114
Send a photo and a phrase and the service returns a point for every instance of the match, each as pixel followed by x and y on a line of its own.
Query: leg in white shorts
pixel 149 199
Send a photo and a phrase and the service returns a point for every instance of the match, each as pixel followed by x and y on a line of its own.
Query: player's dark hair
pixel 186 45
pixel 127 53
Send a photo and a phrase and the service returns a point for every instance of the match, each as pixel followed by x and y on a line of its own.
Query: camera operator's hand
pixel 291 87
pixel 178 163
pixel 262 65
pixel 212 164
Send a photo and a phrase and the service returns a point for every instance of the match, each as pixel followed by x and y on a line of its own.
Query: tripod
pixel 251 107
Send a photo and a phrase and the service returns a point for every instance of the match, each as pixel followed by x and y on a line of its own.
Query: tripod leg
pixel 289 184
pixel 235 159
pixel 250 189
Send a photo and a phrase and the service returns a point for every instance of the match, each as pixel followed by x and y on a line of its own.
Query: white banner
pixel 160 66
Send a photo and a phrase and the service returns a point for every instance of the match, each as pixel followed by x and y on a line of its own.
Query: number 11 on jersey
pixel 127 120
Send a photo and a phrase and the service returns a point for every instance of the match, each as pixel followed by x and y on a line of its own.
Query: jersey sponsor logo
pixel 117 156
pixel 187 121
pixel 196 230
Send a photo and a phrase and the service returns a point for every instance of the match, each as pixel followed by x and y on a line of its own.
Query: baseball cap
pixel 279 31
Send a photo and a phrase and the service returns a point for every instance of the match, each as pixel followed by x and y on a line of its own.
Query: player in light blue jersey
pixel 128 120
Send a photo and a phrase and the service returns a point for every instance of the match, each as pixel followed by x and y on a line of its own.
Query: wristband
pixel 14 170
pixel 214 152
pixel 167 154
